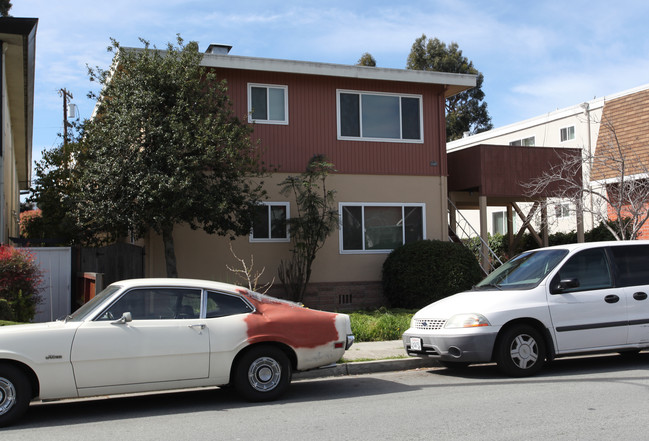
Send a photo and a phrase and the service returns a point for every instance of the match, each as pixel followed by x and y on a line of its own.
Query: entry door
pixel 593 314
pixel 165 341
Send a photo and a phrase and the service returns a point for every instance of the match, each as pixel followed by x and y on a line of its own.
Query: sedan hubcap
pixel 524 351
pixel 264 374
pixel 7 395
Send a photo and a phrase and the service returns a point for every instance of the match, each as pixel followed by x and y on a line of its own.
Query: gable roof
pixel 623 132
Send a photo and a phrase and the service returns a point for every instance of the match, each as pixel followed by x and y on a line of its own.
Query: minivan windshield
pixel 524 271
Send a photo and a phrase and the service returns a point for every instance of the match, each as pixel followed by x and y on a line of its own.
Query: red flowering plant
pixel 20 278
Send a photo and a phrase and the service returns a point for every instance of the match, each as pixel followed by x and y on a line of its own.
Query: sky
pixel 536 56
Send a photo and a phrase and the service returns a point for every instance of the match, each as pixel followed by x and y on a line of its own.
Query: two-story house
pixel 383 129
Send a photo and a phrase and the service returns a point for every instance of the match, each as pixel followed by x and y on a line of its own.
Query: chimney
pixel 218 49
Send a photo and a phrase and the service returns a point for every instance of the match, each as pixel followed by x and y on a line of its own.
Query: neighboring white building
pixel 576 126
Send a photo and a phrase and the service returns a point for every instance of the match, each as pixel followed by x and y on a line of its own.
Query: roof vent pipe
pixel 218 49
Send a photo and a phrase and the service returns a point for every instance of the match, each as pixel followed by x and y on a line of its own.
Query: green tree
pixel 5 6
pixel 165 149
pixel 466 111
pixel 316 219
pixel 366 60
pixel 53 194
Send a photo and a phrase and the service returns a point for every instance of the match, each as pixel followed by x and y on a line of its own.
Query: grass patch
pixel 381 324
pixel 6 323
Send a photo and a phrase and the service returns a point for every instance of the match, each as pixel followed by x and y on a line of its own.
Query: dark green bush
pixel 422 272
pixel 5 310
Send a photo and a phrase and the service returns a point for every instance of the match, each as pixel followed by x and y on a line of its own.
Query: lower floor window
pixel 270 222
pixel 380 227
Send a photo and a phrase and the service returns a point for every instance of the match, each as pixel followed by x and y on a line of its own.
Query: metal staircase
pixel 465 230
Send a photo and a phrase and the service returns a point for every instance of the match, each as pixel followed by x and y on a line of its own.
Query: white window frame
pixel 403 205
pixel 562 210
pixel 520 142
pixel 566 130
pixel 361 138
pixel 287 205
pixel 268 86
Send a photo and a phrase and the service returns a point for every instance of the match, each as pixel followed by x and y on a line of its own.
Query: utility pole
pixel 65 94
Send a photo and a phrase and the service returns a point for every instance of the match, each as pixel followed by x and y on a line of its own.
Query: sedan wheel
pixel 262 374
pixel 521 351
pixel 15 394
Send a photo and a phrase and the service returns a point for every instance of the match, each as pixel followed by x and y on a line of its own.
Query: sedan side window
pixel 589 269
pixel 156 304
pixel 221 305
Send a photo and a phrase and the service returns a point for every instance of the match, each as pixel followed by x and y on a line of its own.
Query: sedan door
pixel 165 341
pixel 588 312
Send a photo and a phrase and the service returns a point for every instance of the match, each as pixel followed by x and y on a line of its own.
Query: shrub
pixel 20 278
pixel 422 272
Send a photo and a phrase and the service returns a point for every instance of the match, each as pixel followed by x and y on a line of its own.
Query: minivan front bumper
pixel 473 348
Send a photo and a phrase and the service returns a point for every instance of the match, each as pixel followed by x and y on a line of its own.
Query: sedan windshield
pixel 89 307
pixel 524 271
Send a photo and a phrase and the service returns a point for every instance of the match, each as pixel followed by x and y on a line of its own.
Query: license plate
pixel 415 344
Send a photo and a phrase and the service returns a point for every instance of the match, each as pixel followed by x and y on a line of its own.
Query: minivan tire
pixel 520 351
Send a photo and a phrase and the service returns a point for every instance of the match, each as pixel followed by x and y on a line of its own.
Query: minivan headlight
pixel 467 321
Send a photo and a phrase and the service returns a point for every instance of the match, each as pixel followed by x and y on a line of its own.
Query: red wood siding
pixel 312 127
pixel 499 171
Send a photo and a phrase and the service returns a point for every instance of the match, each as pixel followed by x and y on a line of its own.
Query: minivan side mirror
pixel 562 285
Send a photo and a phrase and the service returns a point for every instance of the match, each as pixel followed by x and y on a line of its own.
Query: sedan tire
pixel 520 351
pixel 15 394
pixel 262 374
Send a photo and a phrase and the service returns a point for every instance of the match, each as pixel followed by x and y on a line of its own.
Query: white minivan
pixel 542 304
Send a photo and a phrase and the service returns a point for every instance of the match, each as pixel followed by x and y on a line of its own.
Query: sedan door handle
pixel 612 298
pixel 640 295
pixel 201 325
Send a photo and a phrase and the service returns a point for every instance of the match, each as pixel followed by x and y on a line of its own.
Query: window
pixel 590 268
pixel 525 142
pixel 380 227
pixel 632 263
pixel 562 210
pixel 270 222
pixel 267 104
pixel 499 222
pixel 567 133
pixel 379 117
pixel 222 305
pixel 156 304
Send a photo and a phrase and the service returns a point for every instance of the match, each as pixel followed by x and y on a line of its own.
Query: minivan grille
pixel 429 324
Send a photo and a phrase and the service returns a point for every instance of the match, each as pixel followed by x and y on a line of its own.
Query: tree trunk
pixel 170 253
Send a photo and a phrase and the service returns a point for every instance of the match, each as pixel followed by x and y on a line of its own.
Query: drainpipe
pixel 589 146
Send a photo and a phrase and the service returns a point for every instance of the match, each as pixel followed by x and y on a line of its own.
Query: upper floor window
pixel 267 104
pixel 525 141
pixel 567 133
pixel 562 210
pixel 379 117
pixel 374 227
pixel 270 222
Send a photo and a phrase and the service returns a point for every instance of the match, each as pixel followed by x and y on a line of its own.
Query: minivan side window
pixel 589 267
pixel 632 264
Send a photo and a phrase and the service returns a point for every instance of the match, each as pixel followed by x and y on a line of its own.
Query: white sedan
pixel 159 334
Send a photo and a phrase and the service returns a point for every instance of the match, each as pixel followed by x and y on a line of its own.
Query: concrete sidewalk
pixel 371 357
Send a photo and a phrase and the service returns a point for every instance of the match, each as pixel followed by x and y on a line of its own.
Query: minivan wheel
pixel 521 351
pixel 15 394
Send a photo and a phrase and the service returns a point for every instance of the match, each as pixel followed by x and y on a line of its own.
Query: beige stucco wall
pixel 200 255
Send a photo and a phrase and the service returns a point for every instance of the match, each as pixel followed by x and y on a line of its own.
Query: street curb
pixel 368 367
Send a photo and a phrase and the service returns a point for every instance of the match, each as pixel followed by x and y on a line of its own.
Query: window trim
pixel 566 129
pixel 268 86
pixel 274 239
pixel 403 205
pixel 340 137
